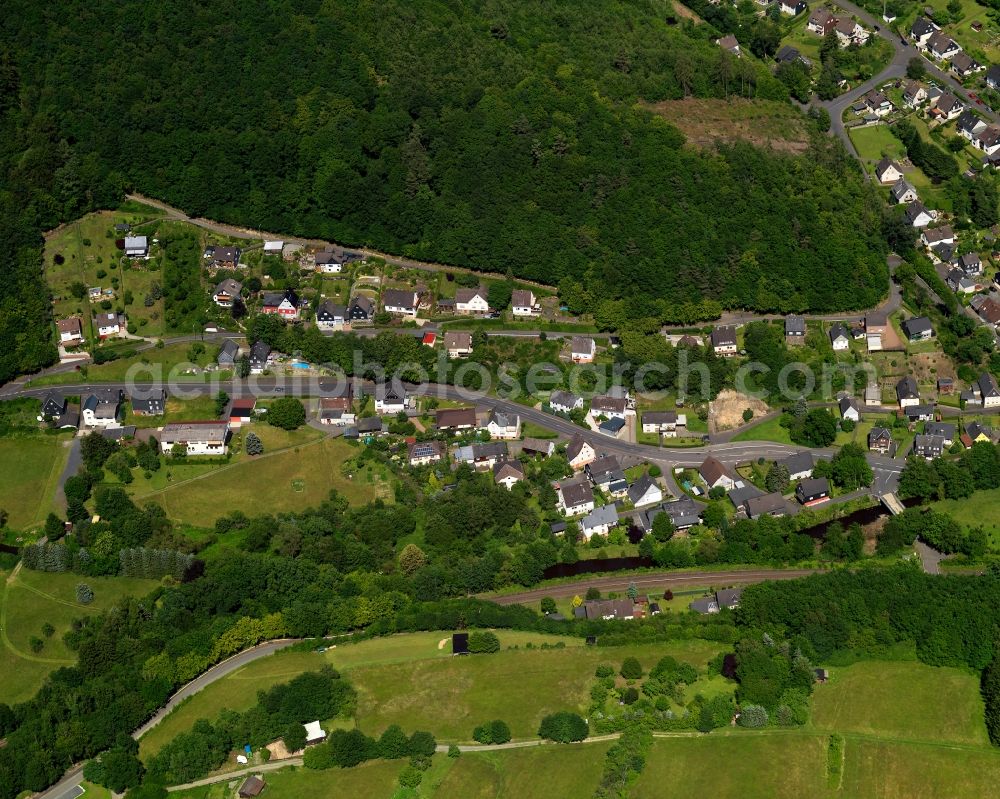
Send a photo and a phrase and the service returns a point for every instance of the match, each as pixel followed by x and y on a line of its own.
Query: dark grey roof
pixel 576 493
pixel 370 424
pixel 922 26
pixel 638 489
pixel 839 329
pixel 795 325
pixel 229 350
pixel 259 352
pixel 988 385
pixel 612 425
pixel 399 298
pixel 738 496
pixel 798 462
pixel 944 429
pixel 917 411
pixel 813 486
pixel 766 504
pixel 907 388
pixel 723 336
pixel 917 326
pixel 564 399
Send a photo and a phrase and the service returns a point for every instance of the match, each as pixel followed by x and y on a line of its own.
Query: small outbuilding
pixel 252 786
pixel 460 644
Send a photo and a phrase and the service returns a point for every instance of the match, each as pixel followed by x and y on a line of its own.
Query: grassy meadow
pixel 29 476
pixel 32 599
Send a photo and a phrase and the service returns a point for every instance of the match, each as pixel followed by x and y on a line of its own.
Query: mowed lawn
pixel 30 600
pixel 451 697
pixel 742 766
pixel 872 142
pixel 238 691
pixel 298 478
pixel 905 700
pixel 769 430
pixel 29 475
pixel 548 772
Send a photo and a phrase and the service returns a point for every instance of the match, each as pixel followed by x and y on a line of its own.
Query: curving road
pixel 902 53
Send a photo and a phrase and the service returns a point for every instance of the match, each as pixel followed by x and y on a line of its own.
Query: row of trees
pixel 975 469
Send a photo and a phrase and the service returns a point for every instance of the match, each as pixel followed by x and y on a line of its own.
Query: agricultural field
pixel 375 779
pixel 28 601
pixel 238 690
pixel 980 509
pixel 29 476
pixel 877 698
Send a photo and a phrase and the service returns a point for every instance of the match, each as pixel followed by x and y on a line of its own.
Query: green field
pixel 745 766
pixel 538 773
pixel 770 430
pixel 376 779
pixel 238 691
pixel 980 509
pixel 876 141
pixel 294 479
pixel 170 362
pixel 878 698
pixel 407 680
pixel 29 475
pixel 31 599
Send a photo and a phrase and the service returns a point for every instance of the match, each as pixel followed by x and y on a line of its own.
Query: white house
pixel 714 473
pixel 724 341
pixel 523 303
pixel 599 521
pixel 582 349
pixel 942 47
pixel 575 497
pixel 663 422
pixel 943 234
pixel 100 409
pixel 109 324
pixel 609 407
pixel 792 7
pixel 564 401
pixel 389 399
pixel 579 453
pixel 400 302
pixel 922 30
pixel 70 331
pixel 471 301
pixel 917 215
pixel 907 393
pixel 887 171
pixel 330 316
pixel 504 425
pixel 508 473
pixel 850 32
pixel 850 409
pixel 645 491
pixel 989 392
pixel 458 344
pixel 799 465
pixel 226 292
pixel 197 438
pixel 988 140
pixel 136 247
pixel 903 193
pixel 421 453
pixel 840 337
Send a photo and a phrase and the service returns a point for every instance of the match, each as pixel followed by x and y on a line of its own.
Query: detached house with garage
pixel 283 303
pixel 902 193
pixel 840 337
pixel 260 357
pixel 919 328
pixel 663 422
pixel 110 325
pixel 136 247
pixel 390 398
pixel 942 47
pixel 715 473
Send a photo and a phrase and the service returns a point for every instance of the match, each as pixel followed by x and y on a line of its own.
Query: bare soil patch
pixel 764 123
pixel 727 409
pixel 684 12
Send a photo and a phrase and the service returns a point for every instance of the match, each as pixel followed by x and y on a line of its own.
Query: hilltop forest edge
pixel 482 134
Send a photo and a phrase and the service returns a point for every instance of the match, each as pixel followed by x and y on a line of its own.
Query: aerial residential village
pixel 612 485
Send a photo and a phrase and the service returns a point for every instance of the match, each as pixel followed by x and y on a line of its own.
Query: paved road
pixel 902 53
pixel 647 582
pixel 72 466
pixel 930 558
pixel 66 787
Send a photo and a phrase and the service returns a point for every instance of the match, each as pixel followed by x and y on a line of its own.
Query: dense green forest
pixel 484 133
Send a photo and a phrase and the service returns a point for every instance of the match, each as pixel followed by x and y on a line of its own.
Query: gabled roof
pixel 922 26
pixel 603 467
pixel 738 496
pixel 914 210
pixel 917 326
pixel 564 399
pixel 508 469
pixel 907 388
pixel 712 469
pixel 503 418
pixel 988 385
pixel 798 463
pixel 457 340
pixel 272 299
pixel 259 352
pixel 879 434
pixel 399 298
pixel 839 330
pixel 659 417
pixel 467 295
pixel 926 443
pixel 813 486
pixel 606 404
pixel 424 449
pixel 363 302
pixel 640 487
pixel 576 445
pixel 328 309
pixel 71 325
pixel 724 336
pixel 975 429
pixel 795 325
pixel 582 345
pixel 598 517
pixel 936 234
pixel 766 504
pixel 229 286
pixel 540 445
pixel 993 74
pixel 944 429
pixel 456 417
pixel 900 189
pixel 729 42
pixel 521 298
pixel 577 492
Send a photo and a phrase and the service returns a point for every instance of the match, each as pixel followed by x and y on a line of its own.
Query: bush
pixel 84 594
pixel 410 777
pixel 287 413
pixel 483 642
pixel 422 743
pixel 753 716
pixel 548 605
pixel 631 669
pixel 630 696
pixel 393 744
pixel 294 737
pixel 454 751
pixel 493 732
pixel 604 670
pixel 563 727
